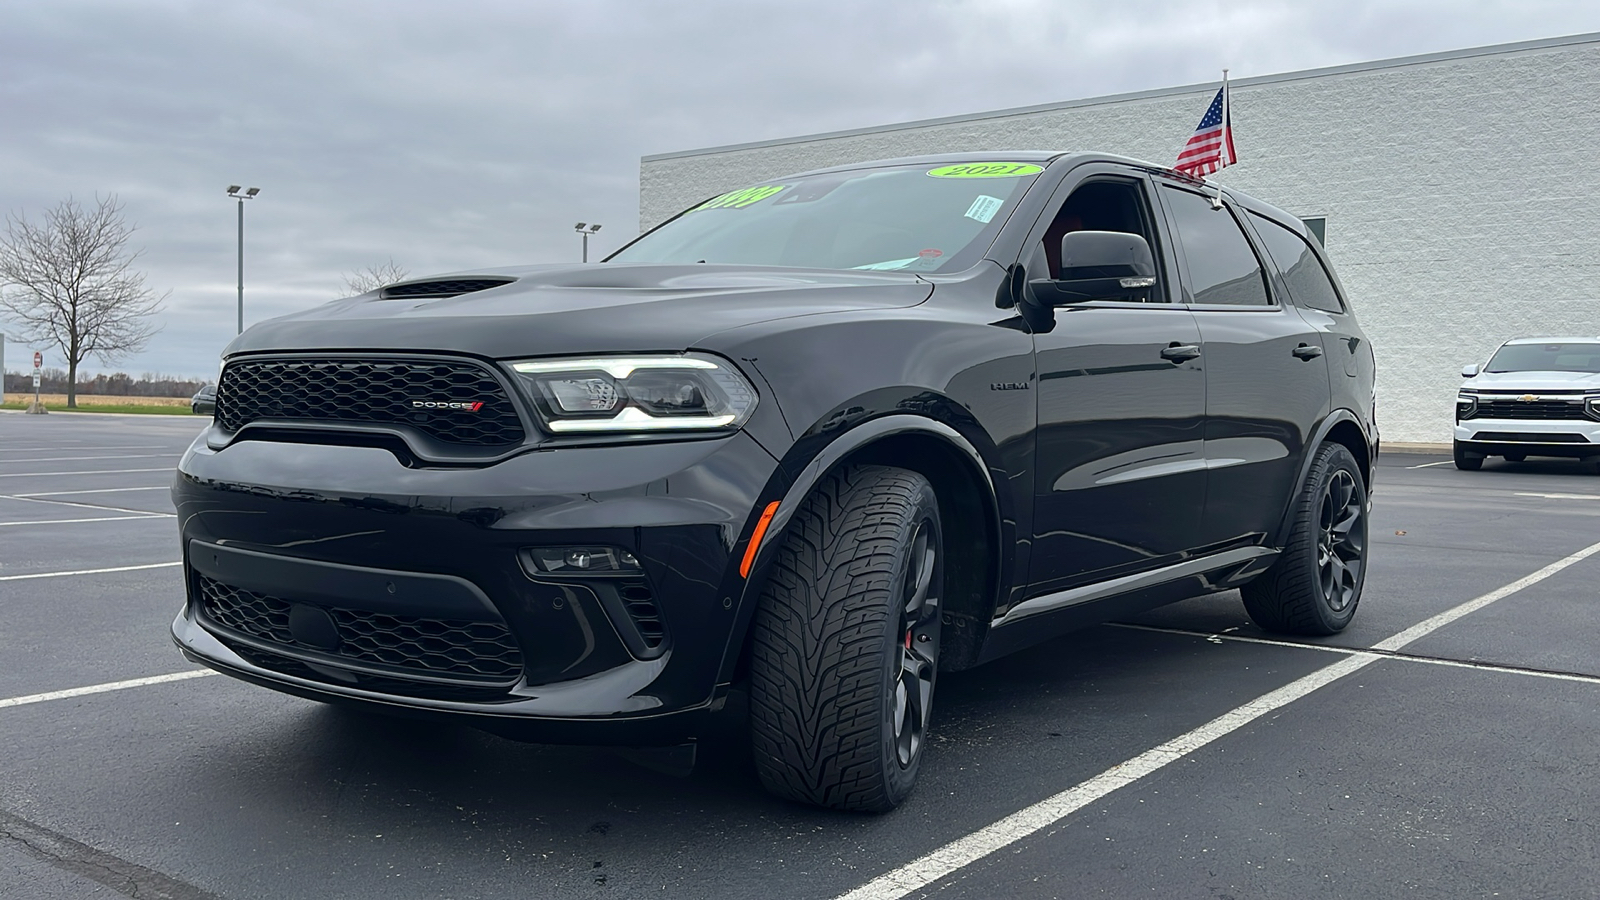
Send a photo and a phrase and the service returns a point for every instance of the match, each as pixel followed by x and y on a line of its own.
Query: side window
pixel 1105 205
pixel 1308 281
pixel 1222 267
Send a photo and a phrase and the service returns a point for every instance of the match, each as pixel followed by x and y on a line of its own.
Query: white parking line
pixel 80 521
pixel 79 458
pixel 1432 464
pixel 961 852
pixel 1561 496
pixel 83 505
pixel 158 487
pixel 103 688
pixel 89 571
pixel 1220 637
pixel 84 472
pixel 80 447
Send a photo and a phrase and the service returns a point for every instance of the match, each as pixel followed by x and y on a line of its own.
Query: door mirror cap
pixel 1105 254
pixel 1100 265
pixel 1469 371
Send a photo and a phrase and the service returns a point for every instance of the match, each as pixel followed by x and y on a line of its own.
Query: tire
pixel 1314 587
pixel 1467 462
pixel 1516 457
pixel 845 643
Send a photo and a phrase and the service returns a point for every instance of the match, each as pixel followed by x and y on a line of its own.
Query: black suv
pixel 812 441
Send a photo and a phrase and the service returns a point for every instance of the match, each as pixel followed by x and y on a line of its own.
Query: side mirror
pixel 1469 371
pixel 1101 265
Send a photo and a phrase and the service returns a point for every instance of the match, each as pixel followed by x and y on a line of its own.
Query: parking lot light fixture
pixel 584 229
pixel 249 194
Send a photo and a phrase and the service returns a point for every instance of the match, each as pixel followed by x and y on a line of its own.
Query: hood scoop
pixel 446 287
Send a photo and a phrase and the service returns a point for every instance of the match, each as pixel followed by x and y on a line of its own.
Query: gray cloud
pixel 474 134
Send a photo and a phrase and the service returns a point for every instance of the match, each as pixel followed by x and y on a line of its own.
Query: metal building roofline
pixel 1304 74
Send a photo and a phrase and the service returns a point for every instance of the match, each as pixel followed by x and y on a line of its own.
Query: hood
pixel 1534 381
pixel 598 308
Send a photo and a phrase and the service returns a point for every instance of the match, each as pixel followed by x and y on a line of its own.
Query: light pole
pixel 585 229
pixel 249 194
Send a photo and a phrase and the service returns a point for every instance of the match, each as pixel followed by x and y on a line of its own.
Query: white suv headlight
pixel 1592 407
pixel 619 394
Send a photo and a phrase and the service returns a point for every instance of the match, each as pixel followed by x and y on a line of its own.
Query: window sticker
pixel 986 170
pixel 741 198
pixel 984 208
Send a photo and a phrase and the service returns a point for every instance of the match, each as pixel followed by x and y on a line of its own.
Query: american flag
pixel 1211 146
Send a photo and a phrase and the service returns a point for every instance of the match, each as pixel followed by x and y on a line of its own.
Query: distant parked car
pixel 1535 397
pixel 204 401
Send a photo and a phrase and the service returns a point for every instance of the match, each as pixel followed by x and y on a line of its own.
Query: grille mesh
pixel 443 288
pixel 1535 409
pixel 436 647
pixel 372 390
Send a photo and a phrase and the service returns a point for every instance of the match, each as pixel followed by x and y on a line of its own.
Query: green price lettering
pixel 741 198
pixel 986 170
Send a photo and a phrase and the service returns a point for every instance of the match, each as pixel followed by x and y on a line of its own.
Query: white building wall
pixel 1461 204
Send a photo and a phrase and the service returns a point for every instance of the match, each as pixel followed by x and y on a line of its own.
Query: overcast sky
pixel 456 135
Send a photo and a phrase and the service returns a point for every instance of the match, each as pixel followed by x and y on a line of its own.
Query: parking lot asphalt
pixel 1450 752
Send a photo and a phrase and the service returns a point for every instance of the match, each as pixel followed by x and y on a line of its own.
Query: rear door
pixel 1265 367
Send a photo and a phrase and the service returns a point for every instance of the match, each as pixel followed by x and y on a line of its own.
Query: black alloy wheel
pixel 845 644
pixel 1341 541
pixel 1315 585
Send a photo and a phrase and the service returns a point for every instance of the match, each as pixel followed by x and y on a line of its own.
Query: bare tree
pixel 373 277
pixel 69 282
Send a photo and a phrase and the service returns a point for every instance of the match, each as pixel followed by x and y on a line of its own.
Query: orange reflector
pixel 755 538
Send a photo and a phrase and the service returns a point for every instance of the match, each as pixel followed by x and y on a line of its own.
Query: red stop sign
pixel 38 359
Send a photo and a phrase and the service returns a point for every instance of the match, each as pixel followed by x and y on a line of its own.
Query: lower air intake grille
pixel 472 653
pixel 458 402
pixel 641 607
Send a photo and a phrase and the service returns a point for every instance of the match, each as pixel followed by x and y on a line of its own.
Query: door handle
pixel 1176 352
pixel 1306 352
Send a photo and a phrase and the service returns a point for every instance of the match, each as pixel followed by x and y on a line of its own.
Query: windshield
pixel 923 218
pixel 1584 357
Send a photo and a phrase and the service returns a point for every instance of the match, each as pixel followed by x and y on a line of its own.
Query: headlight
pixel 1592 407
pixel 611 394
pixel 1466 406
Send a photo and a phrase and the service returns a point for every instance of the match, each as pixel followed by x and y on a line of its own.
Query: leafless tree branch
pixel 373 277
pixel 69 282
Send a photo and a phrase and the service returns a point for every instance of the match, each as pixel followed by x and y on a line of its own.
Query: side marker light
pixel 755 538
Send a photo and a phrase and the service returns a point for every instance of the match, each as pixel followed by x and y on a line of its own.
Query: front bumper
pixel 430 603
pixel 1576 438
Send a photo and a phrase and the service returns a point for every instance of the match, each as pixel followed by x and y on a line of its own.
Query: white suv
pixel 1535 397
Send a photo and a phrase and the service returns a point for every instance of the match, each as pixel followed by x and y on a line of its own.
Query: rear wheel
pixel 1466 460
pixel 1315 585
pixel 845 645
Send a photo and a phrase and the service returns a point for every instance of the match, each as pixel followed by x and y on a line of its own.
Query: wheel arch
pixel 1341 427
pixel 969 511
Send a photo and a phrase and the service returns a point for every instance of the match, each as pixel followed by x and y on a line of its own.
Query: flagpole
pixel 1227 122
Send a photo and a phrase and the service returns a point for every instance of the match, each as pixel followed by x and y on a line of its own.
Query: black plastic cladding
pixel 477 650
pixel 381 391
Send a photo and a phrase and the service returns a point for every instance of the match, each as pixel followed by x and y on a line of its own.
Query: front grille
pixel 1518 437
pixel 1512 408
pixel 452 649
pixel 449 287
pixel 381 391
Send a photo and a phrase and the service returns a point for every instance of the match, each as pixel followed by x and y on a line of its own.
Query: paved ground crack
pixel 127 878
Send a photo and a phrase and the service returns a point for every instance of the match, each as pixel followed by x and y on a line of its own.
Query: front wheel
pixel 1467 461
pixel 1315 585
pixel 845 645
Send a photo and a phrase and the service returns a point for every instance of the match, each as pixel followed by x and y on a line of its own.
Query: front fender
pixel 812 459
